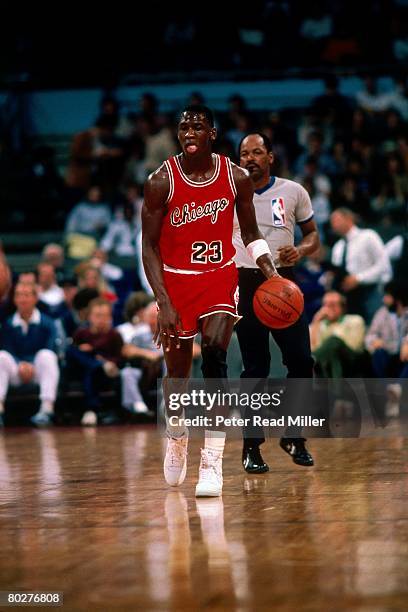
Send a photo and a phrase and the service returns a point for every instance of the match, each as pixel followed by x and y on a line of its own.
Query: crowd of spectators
pixel 350 154
pixel 179 37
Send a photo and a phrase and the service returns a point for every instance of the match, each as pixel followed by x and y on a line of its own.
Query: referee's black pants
pixel 253 338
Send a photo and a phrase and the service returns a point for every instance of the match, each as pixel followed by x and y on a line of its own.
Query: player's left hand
pixel 168 324
pixel 289 255
pixel 350 282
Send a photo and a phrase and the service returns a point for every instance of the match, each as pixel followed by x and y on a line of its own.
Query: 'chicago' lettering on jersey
pixel 189 214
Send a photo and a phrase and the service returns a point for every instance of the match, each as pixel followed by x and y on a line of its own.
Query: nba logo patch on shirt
pixel 278 212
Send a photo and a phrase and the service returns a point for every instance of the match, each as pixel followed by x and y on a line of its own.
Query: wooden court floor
pixel 87 512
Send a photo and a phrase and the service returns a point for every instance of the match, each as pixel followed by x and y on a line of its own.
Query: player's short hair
pixel 200 109
pixel 266 141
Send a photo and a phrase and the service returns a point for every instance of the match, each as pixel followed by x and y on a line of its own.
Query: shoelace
pixel 178 453
pixel 209 461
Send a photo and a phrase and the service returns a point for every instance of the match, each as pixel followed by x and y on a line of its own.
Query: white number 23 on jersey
pixel 202 252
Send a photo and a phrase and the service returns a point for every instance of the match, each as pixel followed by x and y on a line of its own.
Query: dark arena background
pixel 90 100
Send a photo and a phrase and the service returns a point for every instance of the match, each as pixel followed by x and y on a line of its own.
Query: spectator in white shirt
pixel 143 357
pixel 90 217
pixel 50 295
pixel 361 262
pixel 121 235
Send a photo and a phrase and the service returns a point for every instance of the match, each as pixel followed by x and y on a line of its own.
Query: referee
pixel 279 204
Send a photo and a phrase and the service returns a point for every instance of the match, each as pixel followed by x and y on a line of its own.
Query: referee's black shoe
pixel 252 460
pixel 295 447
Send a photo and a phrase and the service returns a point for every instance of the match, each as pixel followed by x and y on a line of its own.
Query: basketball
pixel 5 279
pixel 278 302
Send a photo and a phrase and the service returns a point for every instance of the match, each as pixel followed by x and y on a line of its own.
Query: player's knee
pixel 178 370
pixel 214 361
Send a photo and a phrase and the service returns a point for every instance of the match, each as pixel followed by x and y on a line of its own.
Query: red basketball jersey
pixel 197 228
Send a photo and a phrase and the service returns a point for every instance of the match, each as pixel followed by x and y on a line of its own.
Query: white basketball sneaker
pixel 210 474
pixel 175 461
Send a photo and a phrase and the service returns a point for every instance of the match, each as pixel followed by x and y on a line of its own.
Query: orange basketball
pixel 278 302
pixel 5 277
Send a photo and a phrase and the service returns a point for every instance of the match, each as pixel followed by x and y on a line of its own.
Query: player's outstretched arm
pixel 156 191
pixel 250 233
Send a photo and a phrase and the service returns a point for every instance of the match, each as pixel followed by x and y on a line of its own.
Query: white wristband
pixel 257 248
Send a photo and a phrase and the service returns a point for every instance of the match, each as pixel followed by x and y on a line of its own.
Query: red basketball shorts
pixel 196 296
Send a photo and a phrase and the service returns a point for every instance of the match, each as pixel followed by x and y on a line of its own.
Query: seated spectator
pixel 121 235
pixel 5 286
pixel 95 355
pixel 51 296
pixel 53 254
pixel 122 241
pixel 348 194
pixel 361 263
pixel 314 278
pixel 339 156
pixel 160 144
pixel 109 272
pixel 109 153
pixel 332 107
pixel 139 349
pixel 90 277
pixel 27 278
pixel 28 345
pixel 315 149
pixel 321 182
pixel 361 127
pixel 69 285
pixel 135 168
pixel 77 316
pixel 85 224
pixel 392 130
pixel 387 337
pixel 391 200
pixel 388 205
pixel 239 130
pixel 320 204
pixel 337 339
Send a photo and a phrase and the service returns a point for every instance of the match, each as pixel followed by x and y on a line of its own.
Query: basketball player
pixel 279 205
pixel 188 254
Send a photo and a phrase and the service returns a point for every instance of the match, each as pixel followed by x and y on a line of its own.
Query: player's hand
pixel 168 324
pixel 25 372
pixel 350 282
pixel 289 255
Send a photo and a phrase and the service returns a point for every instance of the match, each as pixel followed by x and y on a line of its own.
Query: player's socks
pixel 210 479
pixel 176 428
pixel 214 440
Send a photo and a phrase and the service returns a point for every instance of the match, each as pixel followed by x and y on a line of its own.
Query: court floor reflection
pixel 88 513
